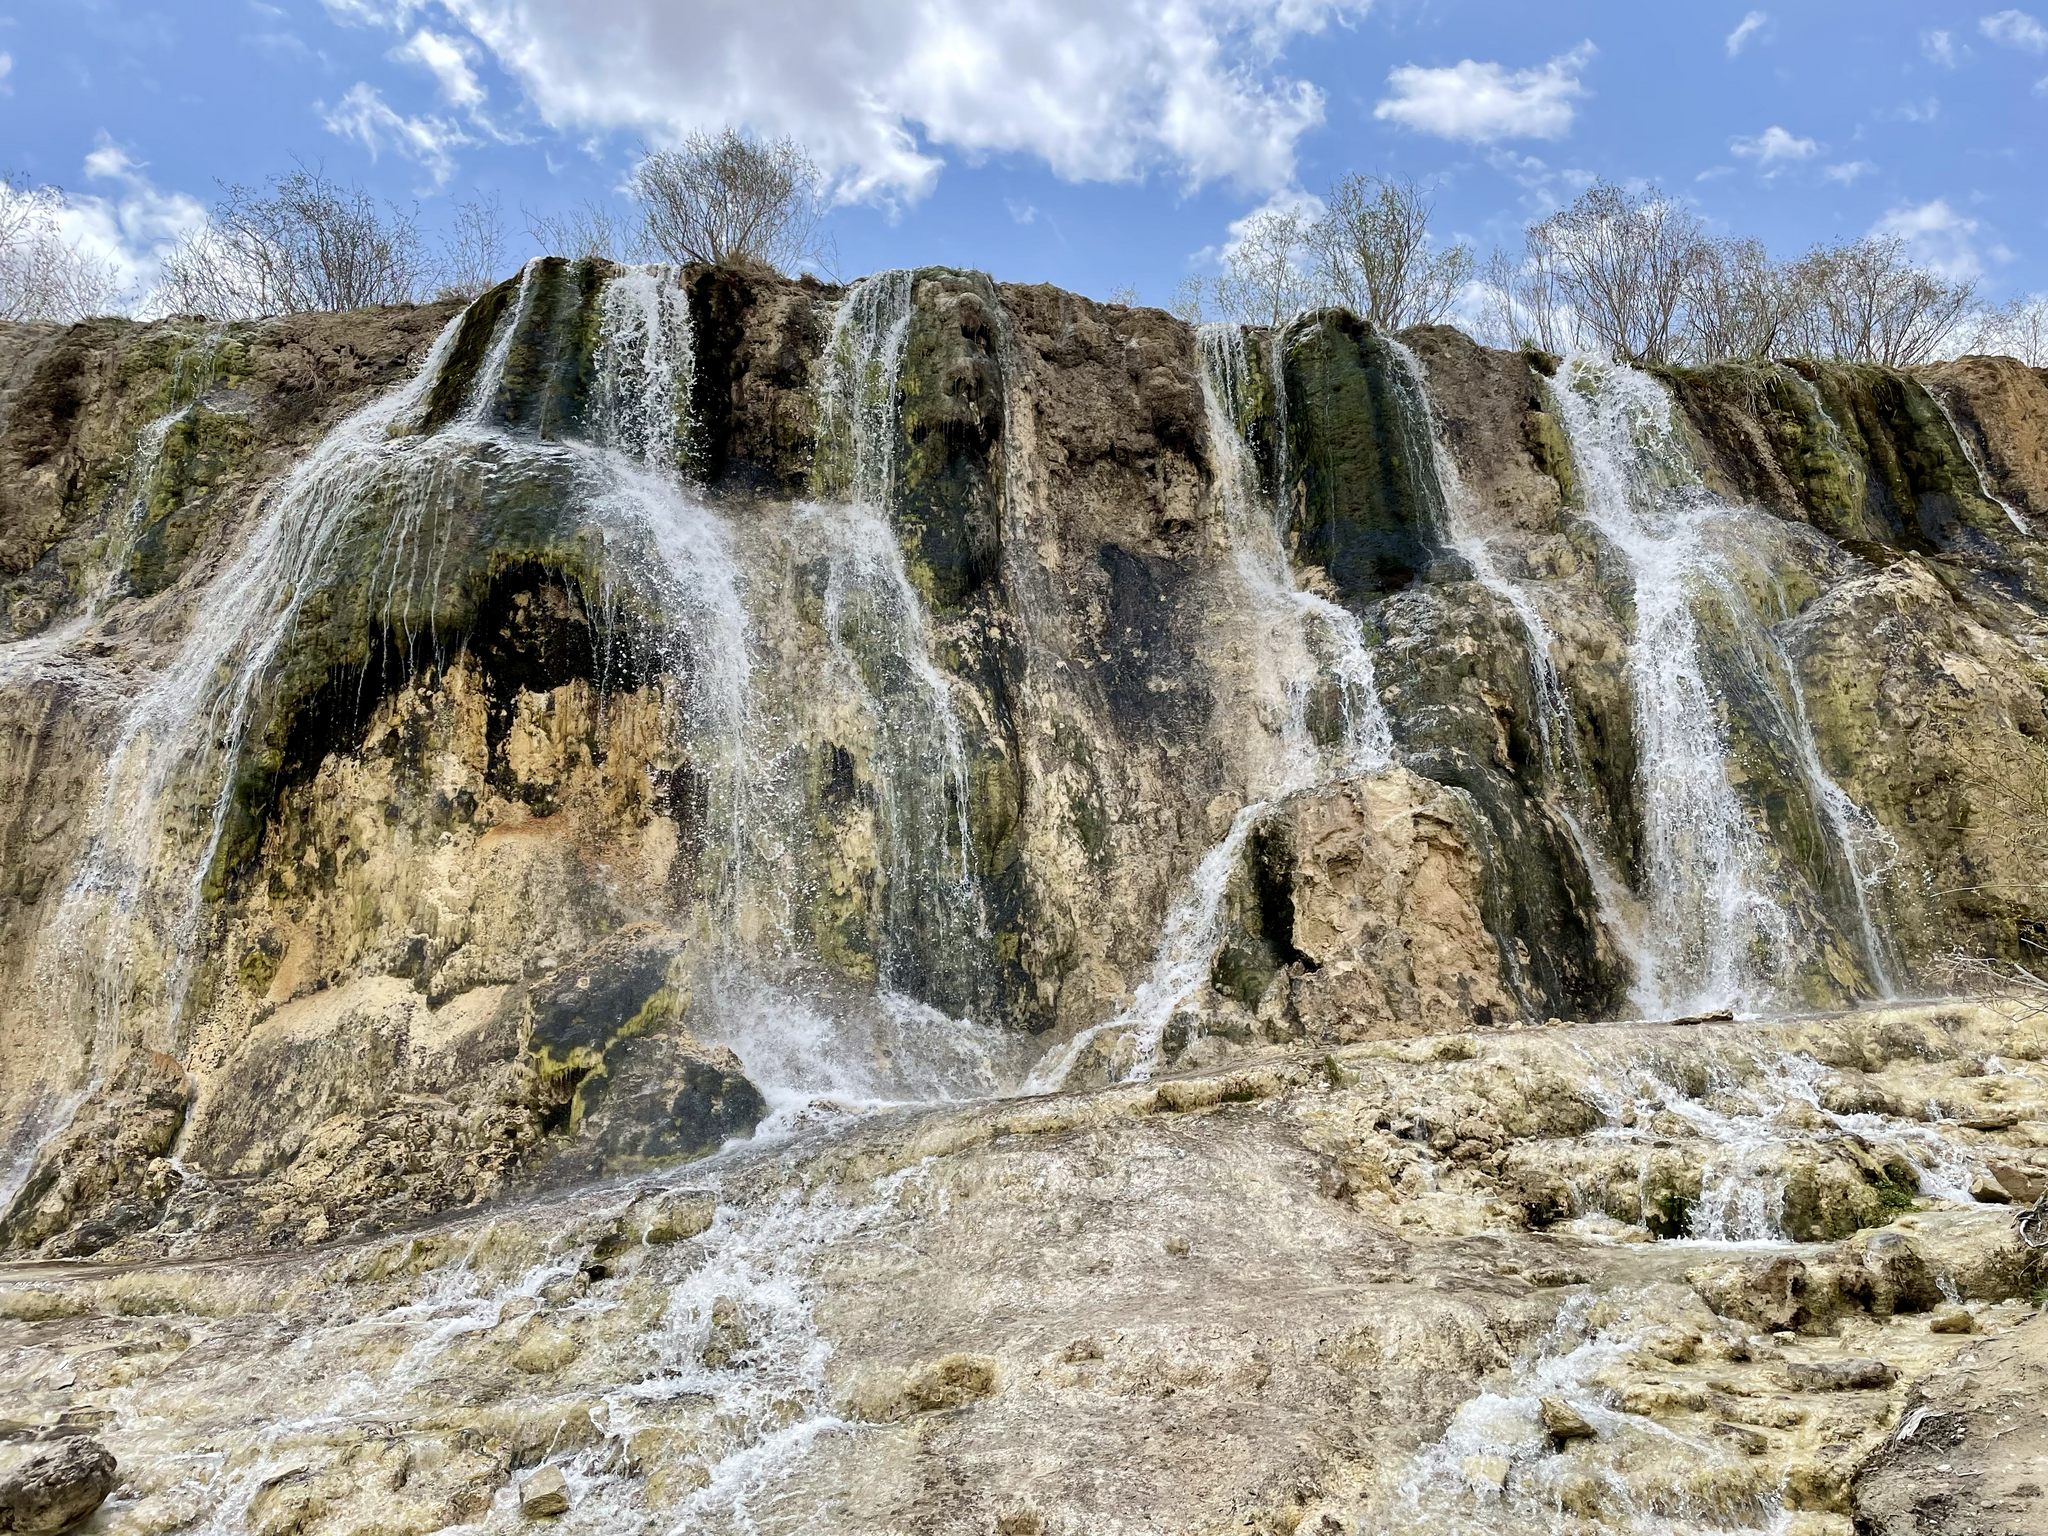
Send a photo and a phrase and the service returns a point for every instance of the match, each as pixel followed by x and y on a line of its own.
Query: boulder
pixel 56 1488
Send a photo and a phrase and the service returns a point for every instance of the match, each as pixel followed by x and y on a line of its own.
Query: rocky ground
pixel 1579 1279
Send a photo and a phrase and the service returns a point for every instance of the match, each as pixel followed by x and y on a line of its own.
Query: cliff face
pixel 434 765
pixel 588 784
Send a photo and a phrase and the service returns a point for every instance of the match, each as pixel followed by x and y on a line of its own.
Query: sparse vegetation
pixel 727 199
pixel 44 276
pixel 1373 254
pixel 299 242
pixel 1632 272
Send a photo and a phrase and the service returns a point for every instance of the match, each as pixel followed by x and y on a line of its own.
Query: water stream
pixel 1304 641
pixel 1718 934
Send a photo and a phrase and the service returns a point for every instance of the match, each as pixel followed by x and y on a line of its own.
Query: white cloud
pixel 133 228
pixel 1937 237
pixel 447 59
pixel 2015 29
pixel 6 69
pixel 1745 29
pixel 366 117
pixel 1939 48
pixel 1099 90
pixel 1847 172
pixel 1772 147
pixel 1484 102
pixel 1919 111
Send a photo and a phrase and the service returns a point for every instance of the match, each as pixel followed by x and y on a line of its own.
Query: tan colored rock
pixel 56 1488
pixel 1386 886
pixel 544 1494
pixel 1562 1420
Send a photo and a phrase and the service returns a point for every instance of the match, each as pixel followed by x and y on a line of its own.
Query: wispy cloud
pixel 136 224
pixel 1773 148
pixel 1745 29
pixel 1939 48
pixel 447 59
pixel 1482 103
pixel 364 115
pixel 1848 171
pixel 1919 111
pixel 2015 29
pixel 1939 238
pixel 6 69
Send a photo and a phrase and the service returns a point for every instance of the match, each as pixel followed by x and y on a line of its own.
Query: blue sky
pixel 1090 143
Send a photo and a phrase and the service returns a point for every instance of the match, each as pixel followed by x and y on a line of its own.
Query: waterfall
pixel 933 928
pixel 1307 638
pixel 1557 732
pixel 1717 930
pixel 125 944
pixel 1305 641
pixel 1975 458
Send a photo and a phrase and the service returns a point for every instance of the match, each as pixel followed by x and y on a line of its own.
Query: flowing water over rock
pixel 537 863
pixel 1716 909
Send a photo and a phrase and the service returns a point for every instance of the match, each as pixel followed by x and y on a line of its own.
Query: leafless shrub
pixel 1189 300
pixel 727 199
pixel 2024 983
pixel 588 229
pixel 1622 261
pixel 1867 302
pixel 1269 275
pixel 301 242
pixel 472 249
pixel 2018 329
pixel 43 276
pixel 1373 256
pixel 1125 295
pixel 1521 307
pixel 1739 302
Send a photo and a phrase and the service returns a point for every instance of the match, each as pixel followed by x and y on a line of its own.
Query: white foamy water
pixel 1716 932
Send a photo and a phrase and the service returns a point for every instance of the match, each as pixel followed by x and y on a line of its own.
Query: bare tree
pixel 728 200
pixel 1521 305
pixel 588 229
pixel 472 248
pixel 301 242
pixel 1739 302
pixel 1623 262
pixel 1189 300
pixel 2018 329
pixel 1867 302
pixel 1269 274
pixel 43 276
pixel 1372 254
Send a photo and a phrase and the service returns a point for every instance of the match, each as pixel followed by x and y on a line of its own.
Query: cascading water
pixel 1564 765
pixel 933 930
pixel 1305 641
pixel 1718 928
pixel 122 950
pixel 1971 452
